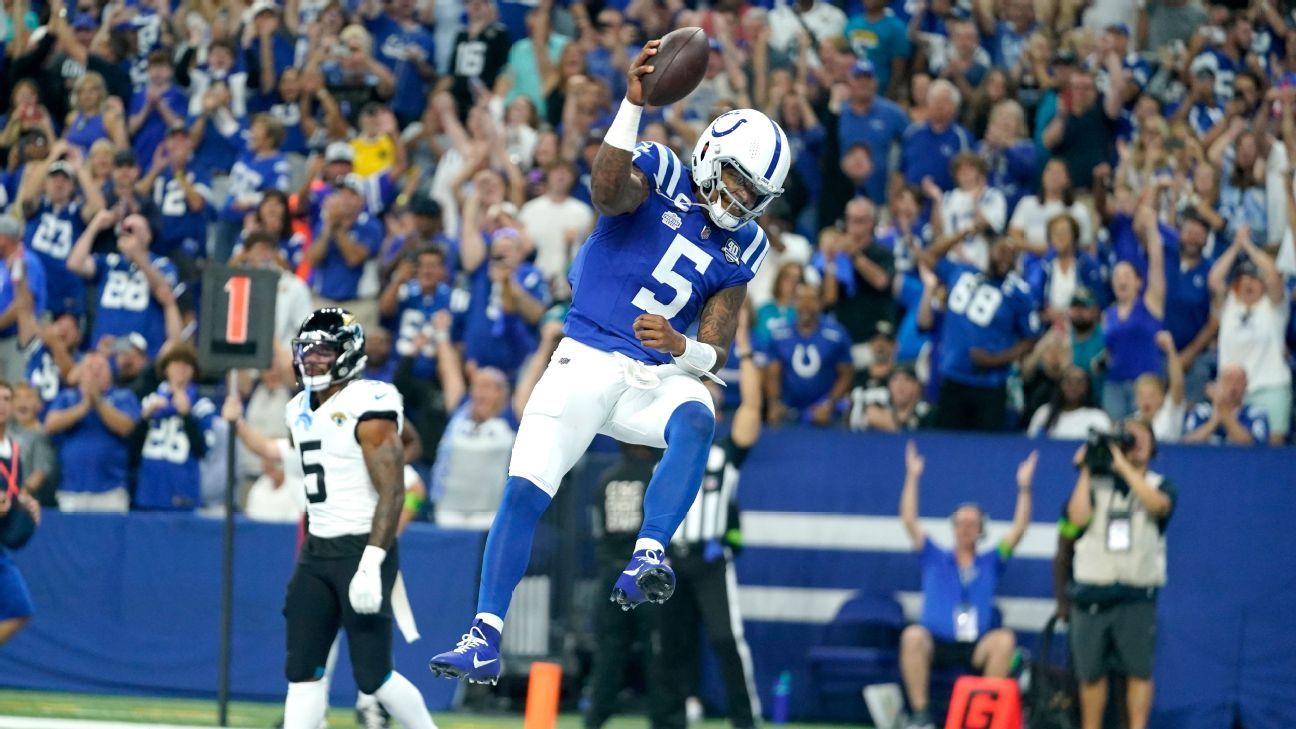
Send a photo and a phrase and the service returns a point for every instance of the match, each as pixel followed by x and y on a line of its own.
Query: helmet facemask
pixel 315 361
pixel 726 205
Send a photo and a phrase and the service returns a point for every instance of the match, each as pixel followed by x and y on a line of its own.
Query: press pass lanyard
pixel 10 471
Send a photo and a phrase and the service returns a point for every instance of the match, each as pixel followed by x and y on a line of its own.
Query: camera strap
pixel 9 472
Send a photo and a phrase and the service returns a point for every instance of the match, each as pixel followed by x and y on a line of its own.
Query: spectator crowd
pixel 1003 215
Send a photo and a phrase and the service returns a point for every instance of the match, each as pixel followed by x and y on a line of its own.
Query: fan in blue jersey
pixel 670 248
pixel 1227 59
pixel 418 290
pixel 172 435
pixel 182 194
pixel 50 354
pixel 22 281
pixel 56 216
pixel 345 239
pixel 990 323
pixel 810 367
pixel 260 168
pixel 135 289
pixel 155 107
pixel 507 296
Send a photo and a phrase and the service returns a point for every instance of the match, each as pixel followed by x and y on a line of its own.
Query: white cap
pixel 339 152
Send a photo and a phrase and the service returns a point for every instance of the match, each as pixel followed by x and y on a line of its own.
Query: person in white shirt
pixel 789 20
pixel 556 222
pixel 1069 415
pixel 972 213
pixel 1253 311
pixel 293 302
pixel 1029 224
pixel 1163 403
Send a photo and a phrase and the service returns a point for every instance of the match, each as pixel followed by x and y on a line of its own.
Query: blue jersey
pixel 1252 418
pixel 151 133
pixel 290 116
pixel 413 317
pixel 1188 303
pixel 85 130
pixel 396 47
pixel 380 191
pixel 50 234
pixel 221 144
pixel 1224 68
pixel 42 372
pixel 491 337
pixel 251 176
pixel 336 279
pixel 92 458
pixel 880 127
pixel 168 471
pixel 982 313
pixel 34 274
pixel 125 303
pixel 665 258
pixel 809 363
pixel 925 152
pixel 182 226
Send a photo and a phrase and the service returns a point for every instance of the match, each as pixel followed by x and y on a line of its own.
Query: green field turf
pixel 244 714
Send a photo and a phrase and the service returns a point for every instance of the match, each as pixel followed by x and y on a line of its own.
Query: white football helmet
pixel 755 147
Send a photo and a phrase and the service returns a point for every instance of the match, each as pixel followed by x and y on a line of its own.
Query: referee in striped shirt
pixel 706 591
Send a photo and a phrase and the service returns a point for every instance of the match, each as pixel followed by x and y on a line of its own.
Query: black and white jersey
pixel 340 497
pixel 708 517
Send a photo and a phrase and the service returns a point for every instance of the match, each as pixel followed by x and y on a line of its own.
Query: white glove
pixel 366 586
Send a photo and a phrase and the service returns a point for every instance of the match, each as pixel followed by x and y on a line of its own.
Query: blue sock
pixel 675 483
pixel 508 546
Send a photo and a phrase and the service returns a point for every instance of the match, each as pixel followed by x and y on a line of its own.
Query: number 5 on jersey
pixel 679 248
pixel 316 491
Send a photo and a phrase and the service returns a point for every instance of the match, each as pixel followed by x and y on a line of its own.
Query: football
pixel 678 67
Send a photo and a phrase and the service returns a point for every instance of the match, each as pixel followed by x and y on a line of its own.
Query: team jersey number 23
pixel 665 273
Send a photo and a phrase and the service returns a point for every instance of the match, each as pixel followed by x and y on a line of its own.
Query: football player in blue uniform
pixel 666 251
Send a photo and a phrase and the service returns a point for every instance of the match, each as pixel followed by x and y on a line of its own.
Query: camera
pixel 1098 455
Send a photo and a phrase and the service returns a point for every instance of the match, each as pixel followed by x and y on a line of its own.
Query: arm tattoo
pixel 385 460
pixel 615 185
pixel 719 321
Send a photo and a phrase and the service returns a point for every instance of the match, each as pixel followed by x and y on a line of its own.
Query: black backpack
pixel 1053 699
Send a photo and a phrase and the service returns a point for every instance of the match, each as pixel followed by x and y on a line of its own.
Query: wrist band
pixel 373 557
pixel 624 131
pixel 698 358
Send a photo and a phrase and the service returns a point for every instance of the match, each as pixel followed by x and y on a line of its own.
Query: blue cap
pixel 714 44
pixel 863 67
pixel 85 21
pixel 1122 28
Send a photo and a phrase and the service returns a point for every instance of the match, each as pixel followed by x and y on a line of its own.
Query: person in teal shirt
pixel 883 38
pixel 522 65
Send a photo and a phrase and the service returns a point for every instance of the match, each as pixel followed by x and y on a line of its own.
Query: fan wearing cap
pixel 131 366
pixel 56 216
pixel 1199 107
pixel 809 370
pixel 181 191
pixel 377 191
pixel 508 296
pixel 1253 312
pixel 172 436
pixel 418 290
pixel 1117 42
pixel 873 119
pixel 135 289
pixel 22 274
pixel 122 195
pixel 345 239
pixel 272 49
pixel 870 385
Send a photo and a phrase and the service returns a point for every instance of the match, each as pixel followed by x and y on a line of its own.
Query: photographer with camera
pixel 1120 565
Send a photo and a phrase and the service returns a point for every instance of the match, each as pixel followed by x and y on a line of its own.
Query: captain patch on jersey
pixel 340 497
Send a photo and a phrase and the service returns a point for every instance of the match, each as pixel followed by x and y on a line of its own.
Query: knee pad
pixel 693 421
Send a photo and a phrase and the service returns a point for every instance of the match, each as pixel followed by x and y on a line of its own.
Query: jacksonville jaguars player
pixel 346 431
pixel 664 253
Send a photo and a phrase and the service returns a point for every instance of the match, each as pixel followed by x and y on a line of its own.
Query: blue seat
pixel 859 647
